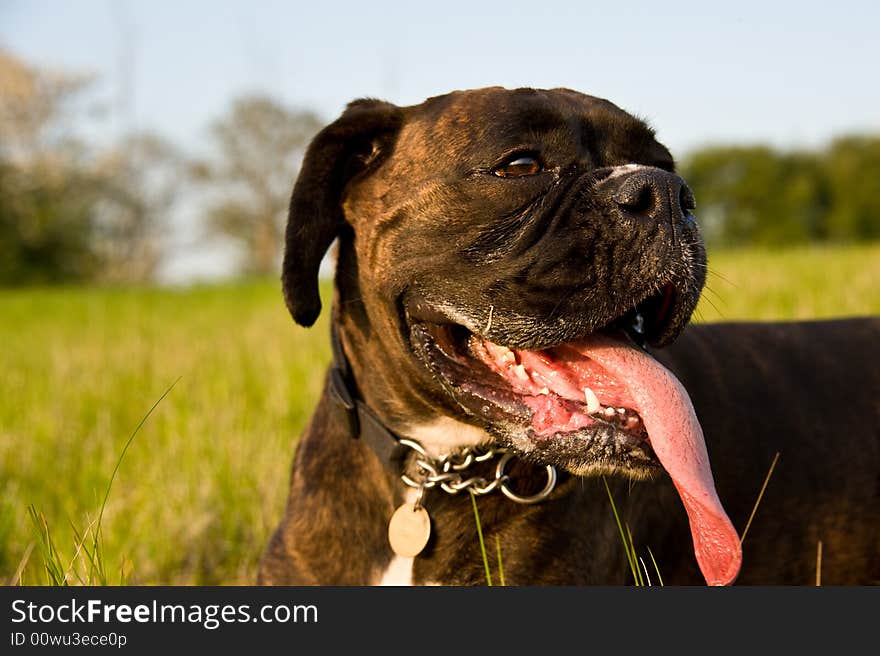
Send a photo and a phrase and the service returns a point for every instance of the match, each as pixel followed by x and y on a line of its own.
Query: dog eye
pixel 518 167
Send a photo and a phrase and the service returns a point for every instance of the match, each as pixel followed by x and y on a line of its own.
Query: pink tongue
pixel 677 439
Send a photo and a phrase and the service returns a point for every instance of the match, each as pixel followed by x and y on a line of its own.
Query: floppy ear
pixel 356 141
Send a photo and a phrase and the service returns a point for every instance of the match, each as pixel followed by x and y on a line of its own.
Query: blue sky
pixel 794 73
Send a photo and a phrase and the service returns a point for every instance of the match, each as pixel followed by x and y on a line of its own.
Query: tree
pixel 45 227
pixel 36 110
pixel 69 211
pixel 853 169
pixel 139 181
pixel 757 195
pixel 260 145
pixel 46 195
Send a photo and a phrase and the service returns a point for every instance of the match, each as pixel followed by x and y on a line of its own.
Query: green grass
pixel 204 480
pixel 801 283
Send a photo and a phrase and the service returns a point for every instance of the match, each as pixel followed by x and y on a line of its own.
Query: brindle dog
pixel 516 270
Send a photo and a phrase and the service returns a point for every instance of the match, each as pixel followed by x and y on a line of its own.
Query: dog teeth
pixel 592 401
pixel 508 356
pixel 544 391
pixel 520 372
pixel 609 412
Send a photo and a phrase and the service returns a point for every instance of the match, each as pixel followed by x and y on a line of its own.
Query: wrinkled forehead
pixel 469 126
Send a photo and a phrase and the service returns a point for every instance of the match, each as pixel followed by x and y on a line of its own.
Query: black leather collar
pixel 361 422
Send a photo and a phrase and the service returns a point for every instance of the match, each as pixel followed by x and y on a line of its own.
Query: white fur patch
pixel 445 435
pixel 398 573
pixel 625 168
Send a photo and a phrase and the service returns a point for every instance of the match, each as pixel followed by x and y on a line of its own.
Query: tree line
pixel 75 211
pixel 757 195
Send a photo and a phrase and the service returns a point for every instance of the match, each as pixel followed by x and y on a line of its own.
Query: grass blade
pixel 633 556
pixel 656 569
pixel 482 543
pixel 96 559
pixel 123 577
pixel 15 579
pixel 626 545
pixel 500 564
pixel 760 495
pixel 51 559
pixel 79 540
pixel 645 570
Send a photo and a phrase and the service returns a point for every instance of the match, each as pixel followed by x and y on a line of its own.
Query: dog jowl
pixel 507 261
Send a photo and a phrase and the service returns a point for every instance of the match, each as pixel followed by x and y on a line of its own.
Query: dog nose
pixel 654 194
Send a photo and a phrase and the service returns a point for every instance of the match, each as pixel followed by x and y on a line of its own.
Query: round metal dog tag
pixel 409 530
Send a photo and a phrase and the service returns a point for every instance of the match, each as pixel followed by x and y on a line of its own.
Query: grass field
pixel 204 480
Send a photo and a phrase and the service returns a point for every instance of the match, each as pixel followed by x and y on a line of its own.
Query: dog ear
pixel 355 142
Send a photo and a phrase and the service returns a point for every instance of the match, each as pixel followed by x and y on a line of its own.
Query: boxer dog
pixel 515 273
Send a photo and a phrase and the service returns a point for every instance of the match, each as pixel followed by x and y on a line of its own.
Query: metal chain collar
pixel 450 473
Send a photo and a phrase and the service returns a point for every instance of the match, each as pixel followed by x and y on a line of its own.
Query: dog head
pixel 505 256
